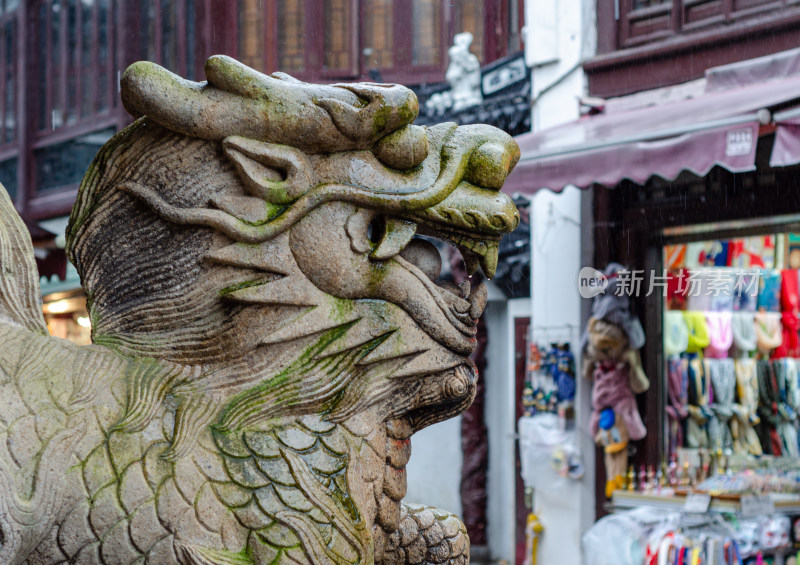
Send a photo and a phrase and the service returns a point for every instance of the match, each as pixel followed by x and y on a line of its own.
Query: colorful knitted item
pixel 676 333
pixel 699 411
pixel 723 382
pixel 769 290
pixel 720 334
pixel 677 400
pixel 790 309
pixel 746 440
pixel 769 397
pixel 743 328
pixel 769 334
pixel 698 331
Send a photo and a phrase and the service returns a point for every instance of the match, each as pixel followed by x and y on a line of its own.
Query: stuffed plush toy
pixel 611 359
pixel 613 436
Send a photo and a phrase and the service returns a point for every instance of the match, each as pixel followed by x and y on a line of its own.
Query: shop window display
pixel 731 354
pixel 730 343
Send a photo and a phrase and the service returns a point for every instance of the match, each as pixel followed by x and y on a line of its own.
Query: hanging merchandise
pixel 621 538
pixel 707 253
pixel 539 394
pixel 612 435
pixel 769 333
pixel 648 536
pixel 768 397
pixel 678 401
pixel 677 288
pixel 611 345
pixel 787 417
pixel 774 532
pixel 550 378
pixel 792 383
pixel 744 333
pixel 549 454
pixel 751 252
pixel 533 531
pixel 721 288
pixel 675 256
pixel 769 291
pixel 747 418
pixel 720 334
pixel 790 309
pixel 698 331
pixel 723 383
pixel 563 370
pixel 699 291
pixel 731 398
pixel 699 411
pixel 745 291
pixel 676 333
pixel 748 537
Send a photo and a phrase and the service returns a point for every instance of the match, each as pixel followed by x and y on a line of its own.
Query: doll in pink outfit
pixel 617 376
pixel 611 345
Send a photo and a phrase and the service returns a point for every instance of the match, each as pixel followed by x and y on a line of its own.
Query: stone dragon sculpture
pixel 268 331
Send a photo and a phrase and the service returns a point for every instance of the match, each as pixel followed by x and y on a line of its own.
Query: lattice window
pixel 251 33
pixel 74 59
pixel 471 17
pixel 427 32
pixel 338 34
pixel 378 36
pixel 291 36
pixel 168 34
pixel 8 71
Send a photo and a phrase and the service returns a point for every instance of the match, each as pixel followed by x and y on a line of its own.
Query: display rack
pixel 626 500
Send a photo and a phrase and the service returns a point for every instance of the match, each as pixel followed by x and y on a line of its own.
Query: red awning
pixel 715 128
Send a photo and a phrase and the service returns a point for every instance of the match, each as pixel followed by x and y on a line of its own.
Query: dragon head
pixel 264 233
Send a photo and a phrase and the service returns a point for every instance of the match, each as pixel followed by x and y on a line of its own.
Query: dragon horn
pixel 276 109
pixel 187 107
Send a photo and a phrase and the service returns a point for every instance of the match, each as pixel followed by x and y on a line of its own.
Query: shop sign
pixel 504 76
pixel 697 503
pixel 739 142
pixel 757 505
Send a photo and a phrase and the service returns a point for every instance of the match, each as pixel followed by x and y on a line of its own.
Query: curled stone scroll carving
pixel 268 330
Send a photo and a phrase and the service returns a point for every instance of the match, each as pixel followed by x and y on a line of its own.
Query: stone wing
pixel 20 296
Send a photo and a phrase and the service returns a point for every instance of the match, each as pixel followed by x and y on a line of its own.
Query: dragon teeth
pixel 488 260
pixel 471 260
pixel 478 252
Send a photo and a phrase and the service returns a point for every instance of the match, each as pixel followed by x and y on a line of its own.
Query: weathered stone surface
pixel 268 329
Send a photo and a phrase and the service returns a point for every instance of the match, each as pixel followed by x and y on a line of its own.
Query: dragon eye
pixel 376 229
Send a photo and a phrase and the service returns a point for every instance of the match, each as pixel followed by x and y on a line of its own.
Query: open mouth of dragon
pixel 409 244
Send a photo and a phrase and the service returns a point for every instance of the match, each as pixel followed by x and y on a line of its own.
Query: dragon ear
pixel 277 173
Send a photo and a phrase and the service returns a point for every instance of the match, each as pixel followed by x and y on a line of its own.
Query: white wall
pixel 560 243
pixel 560 35
pixel 434 471
pixel 556 248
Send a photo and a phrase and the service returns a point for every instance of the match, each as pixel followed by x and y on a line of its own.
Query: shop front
pixel 695 195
